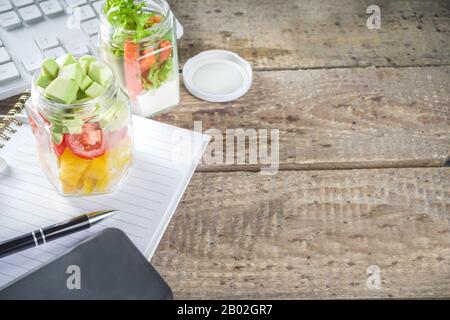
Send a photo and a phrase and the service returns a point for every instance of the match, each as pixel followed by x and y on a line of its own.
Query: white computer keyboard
pixel 34 29
pixel 31 30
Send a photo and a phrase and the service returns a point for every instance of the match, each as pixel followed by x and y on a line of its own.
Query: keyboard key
pixel 9 20
pixel 86 13
pixel 47 42
pixel 94 40
pixel 30 14
pixel 32 64
pixel 4 55
pixel 51 8
pixel 77 48
pixel 75 3
pixel 5 6
pixel 8 72
pixel 54 53
pixel 98 7
pixel 22 3
pixel 90 27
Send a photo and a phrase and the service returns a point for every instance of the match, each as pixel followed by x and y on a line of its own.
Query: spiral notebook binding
pixel 9 119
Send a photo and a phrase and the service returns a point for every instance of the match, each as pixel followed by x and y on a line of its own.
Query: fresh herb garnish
pixel 127 15
pixel 158 75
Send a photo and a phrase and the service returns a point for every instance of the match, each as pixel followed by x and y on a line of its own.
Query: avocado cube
pixel 88 58
pixel 85 83
pixel 66 60
pixel 85 66
pixel 80 94
pixel 83 100
pixel 74 126
pixel 57 137
pixel 57 128
pixel 43 81
pixel 62 90
pixel 94 90
pixel 114 119
pixel 99 72
pixel 73 72
pixel 85 62
pixel 50 68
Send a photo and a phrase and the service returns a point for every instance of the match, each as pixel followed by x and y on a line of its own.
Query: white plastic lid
pixel 217 76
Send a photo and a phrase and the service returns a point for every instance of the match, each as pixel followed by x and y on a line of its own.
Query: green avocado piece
pixel 57 137
pixel 85 66
pixel 50 68
pixel 85 83
pixel 83 100
pixel 94 90
pixel 74 126
pixel 57 128
pixel 87 58
pixel 72 71
pixel 85 62
pixel 99 72
pixel 43 81
pixel 80 94
pixel 62 90
pixel 116 117
pixel 66 60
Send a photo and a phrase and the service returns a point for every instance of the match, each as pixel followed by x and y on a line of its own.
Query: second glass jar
pixel 145 64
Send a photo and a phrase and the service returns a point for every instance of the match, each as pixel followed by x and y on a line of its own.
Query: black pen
pixel 41 236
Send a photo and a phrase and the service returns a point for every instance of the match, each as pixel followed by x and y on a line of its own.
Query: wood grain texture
pixel 340 118
pixel 333 118
pixel 310 235
pixel 289 34
pixel 313 234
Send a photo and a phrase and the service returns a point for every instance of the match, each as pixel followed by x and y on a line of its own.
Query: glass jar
pixel 85 148
pixel 145 63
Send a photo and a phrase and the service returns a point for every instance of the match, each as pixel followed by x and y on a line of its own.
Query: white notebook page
pixel 166 158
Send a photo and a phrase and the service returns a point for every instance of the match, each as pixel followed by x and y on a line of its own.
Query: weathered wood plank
pixel 336 118
pixel 318 33
pixel 310 235
pixel 339 118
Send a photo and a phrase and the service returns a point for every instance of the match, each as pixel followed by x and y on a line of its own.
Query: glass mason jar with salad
pixel 138 41
pixel 81 121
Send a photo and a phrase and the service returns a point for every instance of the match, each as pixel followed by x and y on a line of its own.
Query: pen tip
pixel 98 216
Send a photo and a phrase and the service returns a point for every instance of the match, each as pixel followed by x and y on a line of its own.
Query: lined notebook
pixel 166 158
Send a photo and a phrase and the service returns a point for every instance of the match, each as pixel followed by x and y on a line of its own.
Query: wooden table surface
pixel 364 133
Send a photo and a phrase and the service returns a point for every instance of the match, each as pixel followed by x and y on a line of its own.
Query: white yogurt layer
pixel 154 101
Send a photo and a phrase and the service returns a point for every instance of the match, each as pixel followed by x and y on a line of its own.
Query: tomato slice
pixel 132 70
pixel 147 61
pixel 156 18
pixel 166 50
pixel 88 144
pixel 59 148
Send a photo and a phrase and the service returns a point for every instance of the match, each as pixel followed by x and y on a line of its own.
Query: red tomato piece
pixel 157 18
pixel 88 144
pixel 132 69
pixel 59 148
pixel 166 50
pixel 147 61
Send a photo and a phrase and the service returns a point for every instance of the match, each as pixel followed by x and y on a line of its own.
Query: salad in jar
pixel 137 40
pixel 81 121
